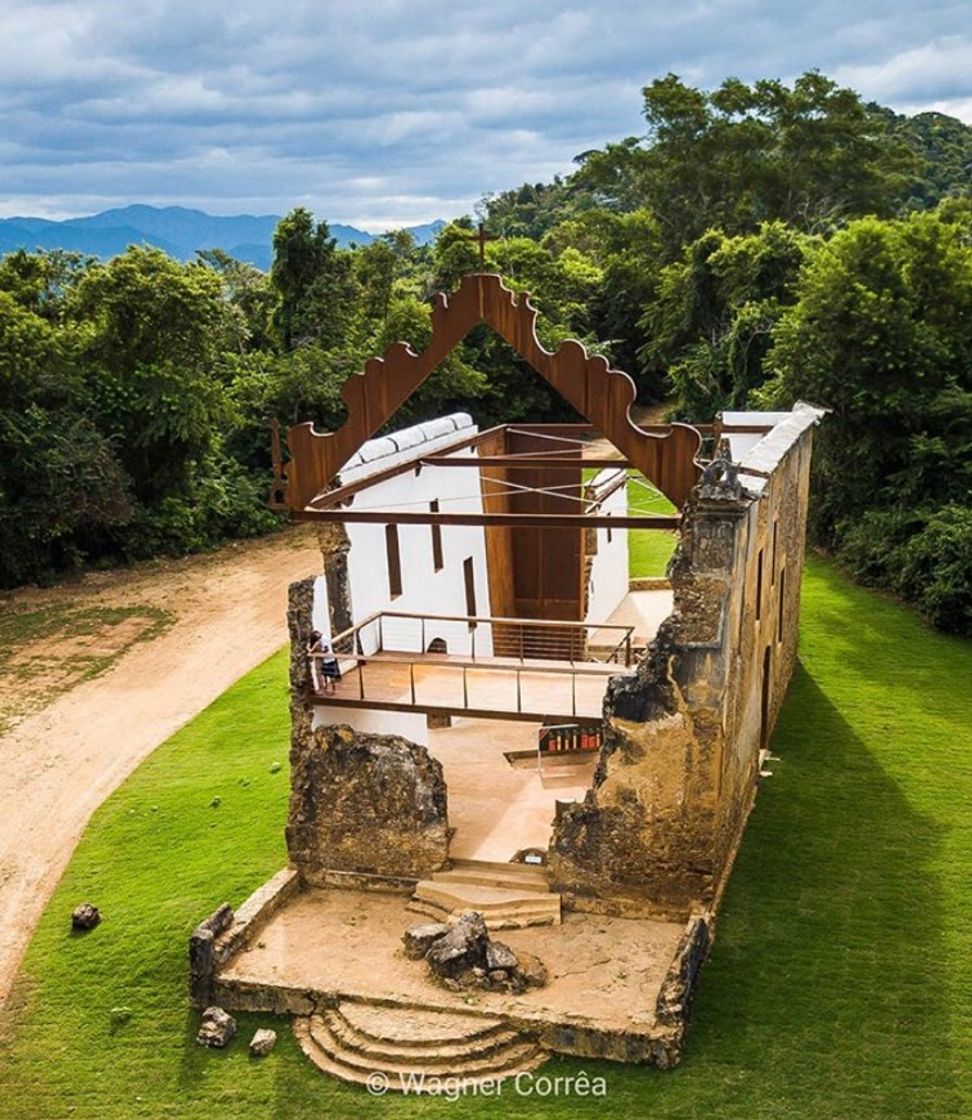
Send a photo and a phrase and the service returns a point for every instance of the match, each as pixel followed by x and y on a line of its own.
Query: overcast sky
pixel 385 112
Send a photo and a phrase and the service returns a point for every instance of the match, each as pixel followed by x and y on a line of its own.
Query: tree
pixel 810 155
pixel 151 331
pixel 313 282
pixel 710 326
pixel 881 333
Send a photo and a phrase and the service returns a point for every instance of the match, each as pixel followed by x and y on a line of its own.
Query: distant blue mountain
pixel 177 230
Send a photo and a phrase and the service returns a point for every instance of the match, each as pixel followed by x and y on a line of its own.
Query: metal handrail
pixel 566 623
pixel 464 667
pixel 583 668
pixel 529 641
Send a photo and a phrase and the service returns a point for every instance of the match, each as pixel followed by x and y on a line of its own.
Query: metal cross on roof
pixel 482 237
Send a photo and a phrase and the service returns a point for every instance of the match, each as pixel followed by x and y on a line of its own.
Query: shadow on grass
pixel 827 981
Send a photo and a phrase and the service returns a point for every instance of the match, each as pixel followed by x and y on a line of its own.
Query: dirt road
pixel 224 613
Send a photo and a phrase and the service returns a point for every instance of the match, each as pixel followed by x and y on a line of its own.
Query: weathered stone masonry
pixel 675 782
pixel 359 803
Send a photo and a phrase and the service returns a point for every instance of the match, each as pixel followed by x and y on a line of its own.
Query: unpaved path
pixel 58 764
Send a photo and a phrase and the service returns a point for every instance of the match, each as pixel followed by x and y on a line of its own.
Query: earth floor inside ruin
pixel 605 973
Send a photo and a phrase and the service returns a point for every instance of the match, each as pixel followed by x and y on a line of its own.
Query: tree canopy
pixel 758 243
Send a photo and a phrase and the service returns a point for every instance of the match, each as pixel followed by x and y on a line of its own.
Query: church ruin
pixel 518 729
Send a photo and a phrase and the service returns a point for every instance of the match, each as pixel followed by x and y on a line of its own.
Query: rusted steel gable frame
pixel 601 394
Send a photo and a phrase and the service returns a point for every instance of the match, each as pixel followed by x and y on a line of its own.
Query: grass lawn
pixel 840 986
pixel 649 550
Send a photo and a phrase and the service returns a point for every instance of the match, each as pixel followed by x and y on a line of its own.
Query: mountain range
pixel 177 230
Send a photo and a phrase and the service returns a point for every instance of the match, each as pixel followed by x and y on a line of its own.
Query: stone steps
pixel 356 1042
pixel 506 876
pixel 512 907
pixel 519 920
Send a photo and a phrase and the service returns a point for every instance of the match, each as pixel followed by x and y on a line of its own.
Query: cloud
pixel 386 111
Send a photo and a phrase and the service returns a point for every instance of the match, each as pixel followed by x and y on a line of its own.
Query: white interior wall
pixel 424 590
pixel 609 572
pixel 411 725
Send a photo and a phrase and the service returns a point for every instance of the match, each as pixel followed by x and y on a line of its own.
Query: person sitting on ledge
pixel 328 671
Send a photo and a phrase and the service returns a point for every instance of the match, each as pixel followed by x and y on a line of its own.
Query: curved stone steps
pixel 416 1026
pixel 451 1049
pixel 441 1052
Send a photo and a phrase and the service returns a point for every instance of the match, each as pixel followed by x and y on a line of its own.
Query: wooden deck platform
pixel 494 687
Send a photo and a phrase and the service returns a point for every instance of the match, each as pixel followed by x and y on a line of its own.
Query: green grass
pixel 840 986
pixel 649 550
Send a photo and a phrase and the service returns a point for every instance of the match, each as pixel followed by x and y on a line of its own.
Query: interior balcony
pixel 502 668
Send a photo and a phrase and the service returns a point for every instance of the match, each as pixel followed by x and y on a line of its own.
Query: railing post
pixel 465 688
pixel 422 643
pixel 361 666
pixel 573 694
pixel 472 644
pixel 381 636
pixel 519 693
pixel 627 650
pixel 411 678
pixel 520 627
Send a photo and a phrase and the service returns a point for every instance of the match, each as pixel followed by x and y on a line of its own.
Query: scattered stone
pixel 500 956
pixel 262 1043
pixel 531 970
pixel 217 1028
pixel 119 1016
pixel 275 767
pixel 85 916
pixel 466 957
pixel 462 948
pixel 419 939
pixel 215 803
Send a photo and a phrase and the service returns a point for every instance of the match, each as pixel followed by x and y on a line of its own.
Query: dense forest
pixel 758 244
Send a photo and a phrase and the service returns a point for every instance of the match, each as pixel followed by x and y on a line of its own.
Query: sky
pixel 381 113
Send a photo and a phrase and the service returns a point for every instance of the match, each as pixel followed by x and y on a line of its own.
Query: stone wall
pixel 361 803
pixel 677 773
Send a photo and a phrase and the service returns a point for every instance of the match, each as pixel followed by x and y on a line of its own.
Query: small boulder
pixel 419 939
pixel 217 1028
pixel 262 1043
pixel 531 970
pixel 85 916
pixel 500 955
pixel 462 948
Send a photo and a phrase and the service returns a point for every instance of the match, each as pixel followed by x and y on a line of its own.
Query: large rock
pixel 262 1043
pixel 419 939
pixel 462 949
pixel 372 804
pixel 217 1029
pixel 499 955
pixel 85 916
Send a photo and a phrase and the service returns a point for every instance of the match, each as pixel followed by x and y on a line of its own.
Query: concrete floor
pixel 644 610
pixel 497 809
pixel 605 972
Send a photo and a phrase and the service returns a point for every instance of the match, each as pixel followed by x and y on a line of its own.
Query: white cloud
pixel 382 111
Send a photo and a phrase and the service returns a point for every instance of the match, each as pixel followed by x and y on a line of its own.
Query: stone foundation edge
pixel 224 933
pixel 659 1045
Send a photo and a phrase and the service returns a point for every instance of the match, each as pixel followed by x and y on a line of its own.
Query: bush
pixel 936 569
pixel 924 556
